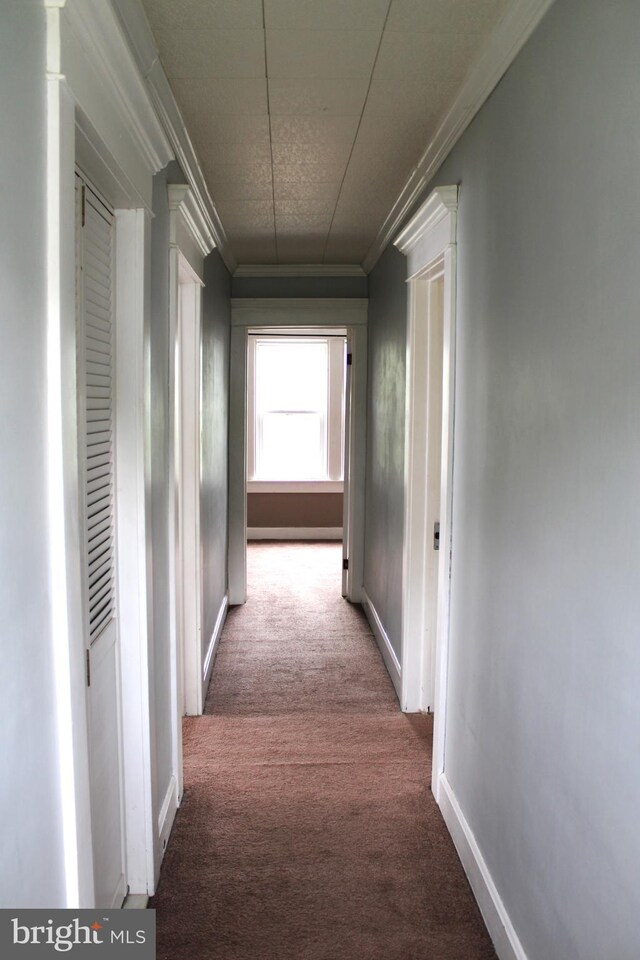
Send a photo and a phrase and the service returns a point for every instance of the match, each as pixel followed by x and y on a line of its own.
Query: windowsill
pixel 295 486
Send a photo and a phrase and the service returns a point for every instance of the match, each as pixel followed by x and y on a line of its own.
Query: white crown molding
pixel 513 30
pixel 299 270
pixel 140 37
pixel 441 204
pixel 98 34
pixel 183 201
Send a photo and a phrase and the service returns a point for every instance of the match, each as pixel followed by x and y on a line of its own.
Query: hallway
pixel 307 829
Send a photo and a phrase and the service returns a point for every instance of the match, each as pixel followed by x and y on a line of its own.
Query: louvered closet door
pixel 96 359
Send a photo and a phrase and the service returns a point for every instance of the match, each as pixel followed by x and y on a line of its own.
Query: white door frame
pixel 99 116
pixel 293 312
pixel 190 242
pixel 429 243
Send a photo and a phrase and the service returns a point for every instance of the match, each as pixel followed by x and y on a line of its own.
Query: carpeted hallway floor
pixel 307 829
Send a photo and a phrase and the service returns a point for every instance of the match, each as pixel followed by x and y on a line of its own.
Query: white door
pixel 96 427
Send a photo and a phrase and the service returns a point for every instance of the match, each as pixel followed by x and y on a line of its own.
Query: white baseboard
pixel 294 533
pixel 388 653
pixel 502 932
pixel 167 814
pixel 213 643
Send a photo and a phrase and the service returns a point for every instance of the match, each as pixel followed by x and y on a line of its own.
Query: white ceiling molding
pixel 298 311
pixel 431 229
pixel 182 200
pixel 520 19
pixel 299 270
pixel 89 50
pixel 141 41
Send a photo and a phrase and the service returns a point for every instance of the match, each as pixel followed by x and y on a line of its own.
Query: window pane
pixel 292 447
pixel 291 376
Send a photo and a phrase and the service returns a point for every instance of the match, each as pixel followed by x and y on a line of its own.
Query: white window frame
pixel 334 423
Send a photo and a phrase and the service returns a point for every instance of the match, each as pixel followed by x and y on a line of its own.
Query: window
pixel 296 408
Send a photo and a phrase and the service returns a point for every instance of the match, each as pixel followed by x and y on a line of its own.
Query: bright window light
pixel 291 396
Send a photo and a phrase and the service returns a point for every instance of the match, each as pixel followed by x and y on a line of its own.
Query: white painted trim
pixel 499 924
pixel 355 458
pixel 167 813
pixel 188 224
pixel 294 533
pixel 299 270
pixel 298 312
pixel 214 641
pixel 518 22
pixel 142 44
pixel 429 243
pixel 430 230
pixel 382 639
pixel 136 901
pixel 133 519
pixel 295 486
pixel 237 548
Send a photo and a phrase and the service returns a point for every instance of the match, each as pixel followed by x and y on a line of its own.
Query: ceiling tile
pixel 326 191
pixel 191 54
pixel 246 216
pixel 239 181
pixel 303 225
pixel 225 128
pixel 300 250
pixel 324 97
pixel 253 250
pixel 311 207
pixel 338 55
pixel 378 132
pixel 467 16
pixel 307 171
pixel 325 15
pixel 331 155
pixel 314 129
pixel 204 14
pixel 418 98
pixel 240 97
pixel 425 56
pixel 351 249
pixel 216 153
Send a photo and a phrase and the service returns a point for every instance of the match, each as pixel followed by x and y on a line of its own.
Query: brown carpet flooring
pixel 307 829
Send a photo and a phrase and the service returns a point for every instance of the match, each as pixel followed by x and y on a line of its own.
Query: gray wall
pixel 294 509
pixel 31 857
pixel 544 673
pixel 216 326
pixel 299 287
pixel 384 502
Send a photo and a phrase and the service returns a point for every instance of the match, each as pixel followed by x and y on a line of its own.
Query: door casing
pixel 349 314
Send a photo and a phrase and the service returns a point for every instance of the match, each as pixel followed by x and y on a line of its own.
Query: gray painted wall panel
pixel 385 441
pixel 542 740
pixel 31 856
pixel 299 287
pixel 216 325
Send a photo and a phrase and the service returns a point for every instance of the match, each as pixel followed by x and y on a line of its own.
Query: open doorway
pixel 299 430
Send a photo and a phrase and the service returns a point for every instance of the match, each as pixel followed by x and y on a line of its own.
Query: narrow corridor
pixel 307 829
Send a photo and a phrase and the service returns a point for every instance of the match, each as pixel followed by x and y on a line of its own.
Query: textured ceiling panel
pixel 308 115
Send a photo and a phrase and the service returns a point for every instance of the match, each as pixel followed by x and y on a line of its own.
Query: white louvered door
pixel 96 358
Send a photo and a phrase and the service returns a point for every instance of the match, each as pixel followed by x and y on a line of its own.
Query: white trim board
pixel 167 813
pixel 518 22
pixel 501 929
pixel 142 44
pixel 213 643
pixel 382 638
pixel 295 486
pixel 294 533
pixel 299 270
